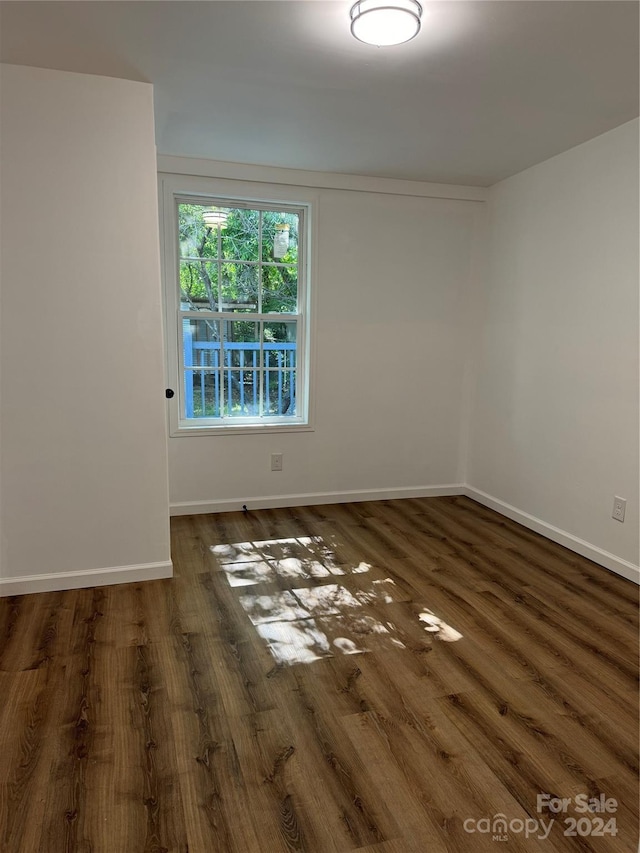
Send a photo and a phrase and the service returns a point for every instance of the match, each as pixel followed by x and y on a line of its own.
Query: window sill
pixel 185 430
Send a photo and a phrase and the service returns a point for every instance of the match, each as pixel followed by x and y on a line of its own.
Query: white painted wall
pixel 552 401
pixel 83 458
pixel 554 431
pixel 390 295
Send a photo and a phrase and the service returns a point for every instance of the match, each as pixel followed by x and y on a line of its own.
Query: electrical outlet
pixel 276 461
pixel 619 508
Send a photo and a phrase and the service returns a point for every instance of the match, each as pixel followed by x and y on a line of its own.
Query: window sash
pixel 253 360
pixel 260 395
pixel 205 192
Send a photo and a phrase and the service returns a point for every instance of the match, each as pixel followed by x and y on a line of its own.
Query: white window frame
pixel 174 189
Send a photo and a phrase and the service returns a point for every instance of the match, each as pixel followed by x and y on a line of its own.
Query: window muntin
pixel 241 308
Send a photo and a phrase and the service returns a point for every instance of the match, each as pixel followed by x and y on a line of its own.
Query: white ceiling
pixel 488 88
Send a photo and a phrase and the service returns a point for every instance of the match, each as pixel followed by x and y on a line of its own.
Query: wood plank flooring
pixel 389 677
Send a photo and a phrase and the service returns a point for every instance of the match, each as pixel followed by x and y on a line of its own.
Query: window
pixel 240 299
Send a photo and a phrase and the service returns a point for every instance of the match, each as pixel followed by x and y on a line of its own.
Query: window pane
pixel 201 342
pixel 202 393
pixel 241 393
pixel 239 287
pixel 279 290
pixel 280 237
pixel 197 239
pixel 279 344
pixel 240 235
pixel 198 286
pixel 241 343
pixel 279 391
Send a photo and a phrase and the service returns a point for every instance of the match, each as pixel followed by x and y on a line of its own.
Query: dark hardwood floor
pixel 388 677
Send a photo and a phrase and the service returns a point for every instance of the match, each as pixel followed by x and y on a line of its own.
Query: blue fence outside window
pixel 204 375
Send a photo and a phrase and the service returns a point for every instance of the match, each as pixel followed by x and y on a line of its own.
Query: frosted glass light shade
pixel 384 23
pixel 215 218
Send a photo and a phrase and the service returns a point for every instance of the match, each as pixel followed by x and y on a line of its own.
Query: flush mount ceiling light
pixel 215 218
pixel 385 22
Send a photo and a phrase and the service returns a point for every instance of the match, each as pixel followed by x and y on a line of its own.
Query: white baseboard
pixel 573 543
pixel 276 501
pixel 157 571
pixel 79 580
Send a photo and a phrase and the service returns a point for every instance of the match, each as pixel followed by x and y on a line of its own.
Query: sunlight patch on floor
pixel 303 624
pixel 436 626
